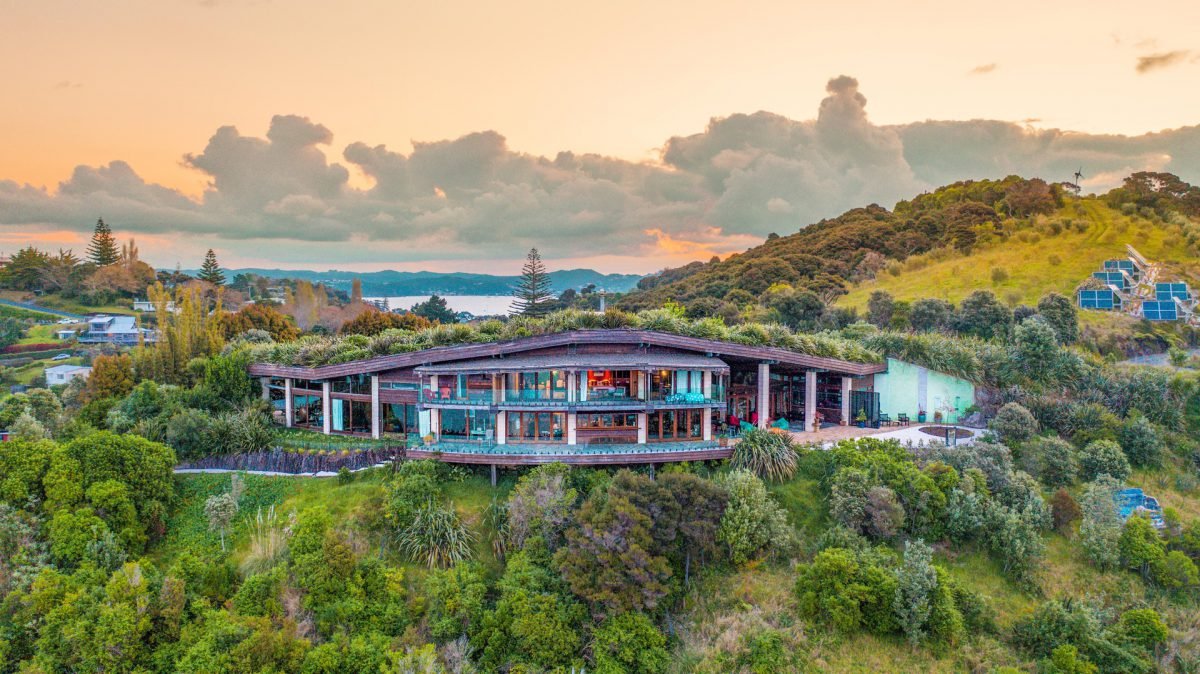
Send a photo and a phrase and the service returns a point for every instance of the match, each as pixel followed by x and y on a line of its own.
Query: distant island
pixel 401 283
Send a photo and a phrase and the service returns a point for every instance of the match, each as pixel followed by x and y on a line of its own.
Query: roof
pixel 113 324
pixel 66 369
pixel 608 361
pixel 443 354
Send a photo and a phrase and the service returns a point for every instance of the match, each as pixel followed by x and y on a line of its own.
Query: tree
pixel 1065 510
pixel 210 271
pixel 1100 530
pixel 540 506
pixel 1052 460
pixel 608 560
pixel 753 523
pixel 701 506
pixel 220 510
pixel 1141 441
pixel 846 591
pixel 532 293
pixel 915 585
pixel 929 315
pixel 112 377
pixel 1144 627
pixel 771 456
pixel 102 250
pixel 629 644
pixel 982 315
pixel 1059 312
pixel 1103 457
pixel 260 316
pixel 1140 546
pixel 435 310
pixel 1036 352
pixel 879 308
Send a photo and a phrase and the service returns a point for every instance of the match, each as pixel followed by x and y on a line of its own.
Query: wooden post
pixel 375 408
pixel 289 406
pixel 493 475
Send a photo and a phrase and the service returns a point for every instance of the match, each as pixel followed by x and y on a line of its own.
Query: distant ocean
pixel 479 305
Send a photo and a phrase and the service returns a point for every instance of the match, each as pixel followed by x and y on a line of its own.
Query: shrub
pixel 1141 441
pixel 1101 526
pixel 1052 460
pixel 436 536
pixel 629 643
pixel 344 476
pixel 1014 424
pixel 753 523
pixel 1143 627
pixel 845 592
pixel 771 456
pixel 1103 457
pixel 1065 511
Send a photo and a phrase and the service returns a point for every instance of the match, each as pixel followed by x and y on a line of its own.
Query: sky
pixel 625 136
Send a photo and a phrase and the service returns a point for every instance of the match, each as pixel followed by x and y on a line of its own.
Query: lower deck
pixel 581 455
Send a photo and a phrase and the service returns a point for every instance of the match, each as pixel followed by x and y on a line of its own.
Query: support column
pixel 764 394
pixel 572 392
pixel 810 399
pixel 643 423
pixel 493 475
pixel 706 384
pixel 501 427
pixel 376 418
pixel 846 382
pixel 644 385
pixel 570 428
pixel 326 409
pixel 707 424
pixel 266 388
pixel 498 387
pixel 289 408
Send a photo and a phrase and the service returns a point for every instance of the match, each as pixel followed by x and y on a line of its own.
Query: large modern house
pixel 120 330
pixel 584 396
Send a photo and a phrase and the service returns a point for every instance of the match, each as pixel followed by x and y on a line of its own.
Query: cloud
pixel 280 196
pixel 984 69
pixel 1161 60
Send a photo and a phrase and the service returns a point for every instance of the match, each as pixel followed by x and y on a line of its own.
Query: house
pixel 63 374
pixel 64 335
pixel 598 396
pixel 147 305
pixel 121 330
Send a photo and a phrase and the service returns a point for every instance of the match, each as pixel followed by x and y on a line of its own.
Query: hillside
pixel 1053 253
pixel 1020 238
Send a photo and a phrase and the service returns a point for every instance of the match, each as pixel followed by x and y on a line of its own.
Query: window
pixel 609 385
pixel 350 416
pixel 355 383
pixel 400 385
pixel 537 426
pixel 307 411
pixel 400 418
pixel 667 425
pixel 306 384
pixel 465 424
pixel 541 385
pixel 621 420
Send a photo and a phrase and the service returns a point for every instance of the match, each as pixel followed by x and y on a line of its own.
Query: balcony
pixel 451 397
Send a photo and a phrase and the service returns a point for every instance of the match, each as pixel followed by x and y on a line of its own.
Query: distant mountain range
pixel 398 283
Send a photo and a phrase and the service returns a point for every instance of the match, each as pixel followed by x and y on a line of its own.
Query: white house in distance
pixel 122 330
pixel 147 305
pixel 63 374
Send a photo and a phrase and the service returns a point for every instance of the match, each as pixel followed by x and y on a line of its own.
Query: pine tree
pixel 211 271
pixel 103 249
pixel 532 294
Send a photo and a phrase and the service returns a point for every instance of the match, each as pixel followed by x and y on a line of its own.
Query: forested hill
pixel 828 259
pixel 393 283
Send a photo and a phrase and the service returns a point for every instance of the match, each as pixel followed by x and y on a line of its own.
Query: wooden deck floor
pixel 580 455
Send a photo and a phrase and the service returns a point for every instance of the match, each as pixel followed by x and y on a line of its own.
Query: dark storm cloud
pixel 744 176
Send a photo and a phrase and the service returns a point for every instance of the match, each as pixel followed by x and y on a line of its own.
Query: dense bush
pixel 1103 457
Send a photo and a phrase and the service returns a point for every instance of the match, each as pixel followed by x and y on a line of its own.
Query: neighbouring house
pixel 911 389
pixel 121 330
pixel 147 305
pixel 65 334
pixel 63 374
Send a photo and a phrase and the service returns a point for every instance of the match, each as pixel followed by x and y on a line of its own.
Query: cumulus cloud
pixel 280 197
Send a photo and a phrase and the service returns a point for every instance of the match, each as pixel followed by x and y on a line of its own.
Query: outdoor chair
pixel 885 419
pixel 902 419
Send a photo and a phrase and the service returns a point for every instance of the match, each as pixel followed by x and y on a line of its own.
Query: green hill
pixel 1050 253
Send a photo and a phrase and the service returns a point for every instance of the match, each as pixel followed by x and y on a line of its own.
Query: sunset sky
pixel 617 135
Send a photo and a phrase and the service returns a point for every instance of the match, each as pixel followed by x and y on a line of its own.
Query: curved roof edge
pixel 442 354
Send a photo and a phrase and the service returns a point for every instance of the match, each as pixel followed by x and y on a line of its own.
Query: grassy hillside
pixel 1053 253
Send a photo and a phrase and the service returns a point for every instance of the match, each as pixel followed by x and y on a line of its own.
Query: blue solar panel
pixel 1117 265
pixel 1115 278
pixel 1098 299
pixel 1153 310
pixel 1167 291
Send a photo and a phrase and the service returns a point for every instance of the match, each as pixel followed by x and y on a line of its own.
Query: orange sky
pixel 148 81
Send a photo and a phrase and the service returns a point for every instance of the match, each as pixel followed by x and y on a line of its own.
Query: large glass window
pixel 307 411
pixel 350 416
pixel 606 428
pixel 609 385
pixel 542 385
pixel 467 424
pixel 537 426
pixel 306 384
pixel 355 383
pixel 400 418
pixel 463 388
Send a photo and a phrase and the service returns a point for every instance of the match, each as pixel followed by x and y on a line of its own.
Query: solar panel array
pixel 1156 310
pixel 1099 299
pixel 1115 278
pixel 1118 265
pixel 1168 291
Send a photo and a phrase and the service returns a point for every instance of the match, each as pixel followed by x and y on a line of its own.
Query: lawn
pixel 74 307
pixel 1032 262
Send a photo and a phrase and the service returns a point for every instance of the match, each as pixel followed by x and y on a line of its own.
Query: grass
pixel 1035 261
pixel 25 374
pixel 74 307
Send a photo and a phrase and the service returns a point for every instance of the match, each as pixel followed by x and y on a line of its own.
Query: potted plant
pixel 937 416
pixel 861 418
pixel 921 416
pixel 428 439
